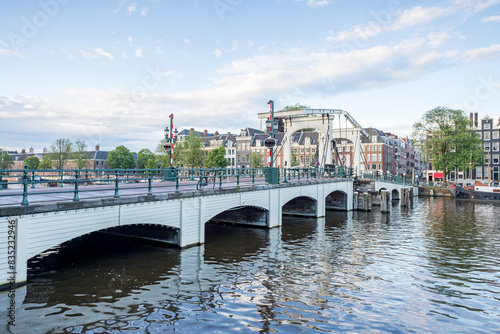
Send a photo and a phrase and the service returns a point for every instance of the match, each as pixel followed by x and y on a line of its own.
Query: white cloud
pixel 138 53
pixel 437 38
pixel 186 40
pixel 317 3
pixel 103 53
pixel 144 11
pixel 88 55
pixel 491 19
pixel 419 15
pixel 129 41
pixel 235 46
pixel 217 53
pixel 131 9
pixel 386 21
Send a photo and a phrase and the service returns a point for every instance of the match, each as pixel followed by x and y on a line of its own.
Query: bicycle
pixel 207 181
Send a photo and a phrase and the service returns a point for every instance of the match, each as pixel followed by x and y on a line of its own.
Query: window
pixel 495 158
pixel 301 150
pixel 379 157
pixel 368 157
pixel 295 150
pixel 374 166
pixel 348 149
pixel 374 157
pixel 486 126
pixel 307 151
pixel 479 172
pixel 486 146
pixel 495 146
pixel 368 148
pixel 313 150
pixel 487 135
pixel 495 135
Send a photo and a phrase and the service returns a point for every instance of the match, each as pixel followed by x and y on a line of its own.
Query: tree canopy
pixel 143 157
pixel 449 140
pixel 6 161
pixel 120 158
pixel 256 160
pixel 189 152
pixel 216 158
pixel 81 159
pixel 46 162
pixel 60 152
pixel 296 107
pixel 32 162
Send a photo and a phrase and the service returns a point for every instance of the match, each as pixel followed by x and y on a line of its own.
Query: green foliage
pixel 6 161
pixel 79 155
pixel 189 152
pixel 297 106
pixel 216 158
pixel 256 160
pixel 449 140
pixel 120 158
pixel 151 164
pixel 60 152
pixel 32 162
pixel 143 157
pixel 295 160
pixel 46 162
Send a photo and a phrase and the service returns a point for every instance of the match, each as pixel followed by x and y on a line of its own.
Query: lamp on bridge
pixel 170 138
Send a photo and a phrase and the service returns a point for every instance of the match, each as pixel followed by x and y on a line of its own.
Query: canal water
pixel 430 268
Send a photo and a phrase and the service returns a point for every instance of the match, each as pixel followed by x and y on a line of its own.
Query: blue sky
pixel 112 71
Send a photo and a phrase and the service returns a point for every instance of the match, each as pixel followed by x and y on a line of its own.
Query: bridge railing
pixel 71 183
pixel 374 175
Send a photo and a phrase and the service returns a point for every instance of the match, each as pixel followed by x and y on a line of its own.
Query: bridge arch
pixel 337 200
pixel 395 194
pixel 301 206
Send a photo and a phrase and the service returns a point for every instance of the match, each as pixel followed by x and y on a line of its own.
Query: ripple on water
pixel 431 268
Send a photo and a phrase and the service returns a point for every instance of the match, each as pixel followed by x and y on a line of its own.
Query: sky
pixel 111 72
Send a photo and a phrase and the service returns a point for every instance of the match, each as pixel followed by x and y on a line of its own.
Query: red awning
pixel 438 175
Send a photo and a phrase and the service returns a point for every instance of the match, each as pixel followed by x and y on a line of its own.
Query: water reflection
pixel 431 268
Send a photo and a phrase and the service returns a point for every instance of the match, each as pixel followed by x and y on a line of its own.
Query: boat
pixel 479 191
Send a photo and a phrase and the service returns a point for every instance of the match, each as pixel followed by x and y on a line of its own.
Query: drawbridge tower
pixel 321 120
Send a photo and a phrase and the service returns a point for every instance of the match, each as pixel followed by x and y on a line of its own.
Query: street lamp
pixel 170 139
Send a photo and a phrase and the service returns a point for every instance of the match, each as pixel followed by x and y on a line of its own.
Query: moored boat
pixel 479 191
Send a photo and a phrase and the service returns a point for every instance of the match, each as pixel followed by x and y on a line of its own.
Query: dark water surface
pixel 432 268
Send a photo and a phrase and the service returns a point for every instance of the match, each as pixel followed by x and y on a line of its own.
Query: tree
pixel 60 152
pixel 6 161
pixel 32 162
pixel 120 158
pixel 80 156
pixel 449 140
pixel 189 151
pixel 216 158
pixel 295 161
pixel 143 157
pixel 46 162
pixel 296 107
pixel 256 160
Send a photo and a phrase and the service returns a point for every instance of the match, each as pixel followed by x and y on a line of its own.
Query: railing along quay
pixel 35 183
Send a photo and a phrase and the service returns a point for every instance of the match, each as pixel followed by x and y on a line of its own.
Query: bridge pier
pixel 385 201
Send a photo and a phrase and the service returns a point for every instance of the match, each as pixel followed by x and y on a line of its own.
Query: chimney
pixel 471 118
pixel 23 151
pixel 476 123
pixel 32 150
pixel 97 147
pixel 45 150
pixel 205 133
